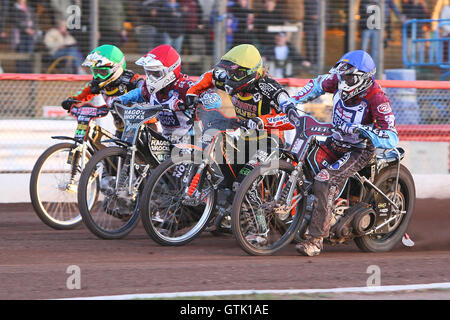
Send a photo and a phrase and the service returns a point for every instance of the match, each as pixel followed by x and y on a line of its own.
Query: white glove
pixel 348 128
pixel 177 105
pixel 255 124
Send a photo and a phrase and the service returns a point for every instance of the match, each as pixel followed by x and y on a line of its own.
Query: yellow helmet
pixel 243 65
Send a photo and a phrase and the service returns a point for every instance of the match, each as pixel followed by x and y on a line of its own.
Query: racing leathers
pixel 126 82
pixel 363 123
pixel 260 102
pixel 174 123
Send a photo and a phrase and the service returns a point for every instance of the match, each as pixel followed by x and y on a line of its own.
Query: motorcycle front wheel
pixel 260 224
pixel 115 213
pixel 54 186
pixel 167 215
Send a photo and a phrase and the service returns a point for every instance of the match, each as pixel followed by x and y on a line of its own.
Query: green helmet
pixel 107 63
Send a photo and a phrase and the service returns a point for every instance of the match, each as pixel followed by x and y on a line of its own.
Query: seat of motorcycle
pixel 391 155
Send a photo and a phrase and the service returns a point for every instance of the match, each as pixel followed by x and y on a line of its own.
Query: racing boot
pixel 311 246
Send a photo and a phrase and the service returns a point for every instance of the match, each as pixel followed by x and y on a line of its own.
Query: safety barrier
pixel 30 112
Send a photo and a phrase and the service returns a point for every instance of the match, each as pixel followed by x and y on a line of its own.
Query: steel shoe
pixel 310 247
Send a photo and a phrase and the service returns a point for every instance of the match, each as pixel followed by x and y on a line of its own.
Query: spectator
pixel 265 18
pixel 148 31
pixel 172 24
pixel 24 33
pixel 4 13
pixel 60 43
pixel 445 31
pixel 78 26
pixel 282 57
pixel 194 26
pixel 414 9
pixel 244 22
pixel 111 22
pixel 390 6
pixel 311 27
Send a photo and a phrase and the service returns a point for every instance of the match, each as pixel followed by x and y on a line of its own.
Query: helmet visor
pixel 349 79
pixel 101 72
pixel 154 74
pixel 343 68
pixel 237 74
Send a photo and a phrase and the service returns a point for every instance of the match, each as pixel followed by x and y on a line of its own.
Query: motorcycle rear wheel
pixel 406 200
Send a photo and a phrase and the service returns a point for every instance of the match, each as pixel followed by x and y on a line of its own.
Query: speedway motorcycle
pixel 180 198
pixel 55 175
pixel 121 171
pixel 273 204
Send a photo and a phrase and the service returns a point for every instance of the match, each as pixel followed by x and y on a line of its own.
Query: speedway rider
pixel 256 97
pixel 363 119
pixel 110 79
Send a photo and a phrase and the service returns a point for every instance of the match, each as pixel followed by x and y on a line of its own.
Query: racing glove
pixel 115 102
pixel 347 128
pixel 191 100
pixel 177 105
pixel 286 105
pixel 67 104
pixel 255 124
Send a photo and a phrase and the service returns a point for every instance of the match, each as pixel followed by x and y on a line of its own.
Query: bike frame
pixel 134 118
pixel 86 137
pixel 298 171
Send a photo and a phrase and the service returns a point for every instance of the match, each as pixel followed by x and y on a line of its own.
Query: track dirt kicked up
pixel 34 260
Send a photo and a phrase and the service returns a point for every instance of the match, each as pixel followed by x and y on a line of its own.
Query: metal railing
pixel 426 52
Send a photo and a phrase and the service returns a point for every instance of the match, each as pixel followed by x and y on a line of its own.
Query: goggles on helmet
pixel 101 72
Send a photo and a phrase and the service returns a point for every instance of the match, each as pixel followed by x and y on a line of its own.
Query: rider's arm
pixel 204 83
pixel 133 96
pixel 278 95
pixel 85 94
pixel 382 131
pixel 316 87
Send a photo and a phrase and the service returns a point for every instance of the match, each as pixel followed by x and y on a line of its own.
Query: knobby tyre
pixel 166 215
pixel 53 193
pixel 256 226
pixel 405 200
pixel 112 216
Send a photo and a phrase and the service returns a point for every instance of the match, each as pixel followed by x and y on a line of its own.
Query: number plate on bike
pixel 133 117
pixel 84 115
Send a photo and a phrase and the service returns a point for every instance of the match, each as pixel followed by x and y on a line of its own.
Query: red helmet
pixel 162 66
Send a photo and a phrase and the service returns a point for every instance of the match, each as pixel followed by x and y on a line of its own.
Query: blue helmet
pixel 356 73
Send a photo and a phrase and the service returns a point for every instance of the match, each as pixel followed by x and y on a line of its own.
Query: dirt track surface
pixel 34 259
